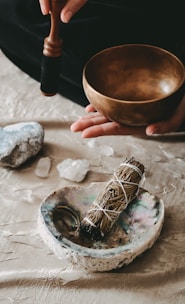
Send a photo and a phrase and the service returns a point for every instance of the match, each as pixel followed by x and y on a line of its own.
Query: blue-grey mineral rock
pixel 19 142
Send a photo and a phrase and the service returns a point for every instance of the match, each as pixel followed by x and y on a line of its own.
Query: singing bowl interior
pixel 132 76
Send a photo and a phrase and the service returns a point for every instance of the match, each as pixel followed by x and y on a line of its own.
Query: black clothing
pixel 98 25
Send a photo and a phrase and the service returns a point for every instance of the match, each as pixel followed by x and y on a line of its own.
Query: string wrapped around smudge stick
pixel 117 194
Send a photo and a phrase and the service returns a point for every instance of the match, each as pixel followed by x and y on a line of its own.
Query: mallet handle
pixel 53 43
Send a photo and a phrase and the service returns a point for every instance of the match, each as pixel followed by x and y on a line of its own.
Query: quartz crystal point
pixel 43 167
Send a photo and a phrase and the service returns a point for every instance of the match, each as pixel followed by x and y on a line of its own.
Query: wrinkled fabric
pixel 29 271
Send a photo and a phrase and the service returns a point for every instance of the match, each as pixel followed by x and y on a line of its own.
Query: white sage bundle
pixel 115 197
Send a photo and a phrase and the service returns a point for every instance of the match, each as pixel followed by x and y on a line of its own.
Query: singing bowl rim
pixel 86 83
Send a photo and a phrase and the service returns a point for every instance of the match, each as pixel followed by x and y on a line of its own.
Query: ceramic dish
pixel 136 230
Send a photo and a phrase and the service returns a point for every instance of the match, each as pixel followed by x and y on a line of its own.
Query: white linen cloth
pixel 29 271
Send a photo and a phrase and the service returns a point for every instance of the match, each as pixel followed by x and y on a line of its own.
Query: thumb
pixel 172 124
pixel 70 8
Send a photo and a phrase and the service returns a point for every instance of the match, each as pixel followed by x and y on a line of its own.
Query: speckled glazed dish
pixel 136 230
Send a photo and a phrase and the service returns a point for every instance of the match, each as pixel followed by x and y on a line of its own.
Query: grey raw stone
pixel 19 142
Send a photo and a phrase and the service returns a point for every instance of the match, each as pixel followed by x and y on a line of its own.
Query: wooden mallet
pixel 52 50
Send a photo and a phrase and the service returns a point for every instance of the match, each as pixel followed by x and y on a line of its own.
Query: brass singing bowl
pixel 134 84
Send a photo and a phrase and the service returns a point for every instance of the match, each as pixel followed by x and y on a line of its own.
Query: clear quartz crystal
pixel 43 167
pixel 73 169
pixel 100 148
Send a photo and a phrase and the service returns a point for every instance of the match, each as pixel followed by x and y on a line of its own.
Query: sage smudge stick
pixel 115 197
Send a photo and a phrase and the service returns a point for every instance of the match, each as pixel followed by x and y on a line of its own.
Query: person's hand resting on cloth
pixel 95 124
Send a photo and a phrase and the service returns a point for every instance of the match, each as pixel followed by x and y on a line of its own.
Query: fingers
pixel 173 124
pixel 111 128
pixel 88 121
pixel 45 6
pixel 70 8
pixel 97 125
pixel 90 108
